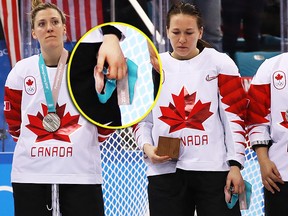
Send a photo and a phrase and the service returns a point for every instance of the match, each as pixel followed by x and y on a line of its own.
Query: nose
pixel 49 27
pixel 182 39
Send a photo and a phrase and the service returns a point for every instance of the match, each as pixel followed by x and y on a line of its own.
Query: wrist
pixel 234 163
pixel 111 30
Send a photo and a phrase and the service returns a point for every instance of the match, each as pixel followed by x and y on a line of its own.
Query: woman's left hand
pixel 111 52
pixel 234 178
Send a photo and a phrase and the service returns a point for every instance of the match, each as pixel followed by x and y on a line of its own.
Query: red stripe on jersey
pixel 104 133
pixel 233 94
pixel 259 105
pixel 134 128
pixel 13 116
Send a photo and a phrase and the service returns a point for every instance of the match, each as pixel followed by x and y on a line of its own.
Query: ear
pixel 64 29
pixel 201 32
pixel 33 34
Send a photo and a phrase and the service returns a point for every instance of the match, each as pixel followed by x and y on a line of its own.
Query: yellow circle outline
pixel 69 84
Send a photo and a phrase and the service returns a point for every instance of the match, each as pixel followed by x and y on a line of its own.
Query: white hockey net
pixel 124 173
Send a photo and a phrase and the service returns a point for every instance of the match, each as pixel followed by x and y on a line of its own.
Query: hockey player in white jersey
pixel 267 119
pixel 202 103
pixel 57 160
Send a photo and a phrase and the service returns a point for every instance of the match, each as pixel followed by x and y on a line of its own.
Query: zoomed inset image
pixel 110 76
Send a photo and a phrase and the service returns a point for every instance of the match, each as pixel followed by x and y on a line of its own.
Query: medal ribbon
pixel 52 95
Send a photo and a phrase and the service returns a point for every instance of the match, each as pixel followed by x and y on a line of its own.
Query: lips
pixel 50 36
pixel 181 47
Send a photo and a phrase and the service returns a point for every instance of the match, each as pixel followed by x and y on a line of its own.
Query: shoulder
pixel 221 61
pixel 23 66
pixel 27 61
pixel 216 55
pixel 271 66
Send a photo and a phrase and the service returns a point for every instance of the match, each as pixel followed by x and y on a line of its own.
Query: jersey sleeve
pixel 232 109
pixel 258 111
pixel 143 131
pixel 104 133
pixel 12 104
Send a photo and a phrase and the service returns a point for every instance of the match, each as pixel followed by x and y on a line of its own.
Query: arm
pixel 143 136
pixel 111 52
pixel 12 106
pixel 258 123
pixel 232 108
pixel 269 171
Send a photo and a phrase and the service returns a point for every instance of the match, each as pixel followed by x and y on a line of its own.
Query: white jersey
pixel 268 107
pixel 71 155
pixel 200 102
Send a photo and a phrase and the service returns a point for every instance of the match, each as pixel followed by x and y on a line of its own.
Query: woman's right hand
pixel 270 175
pixel 150 151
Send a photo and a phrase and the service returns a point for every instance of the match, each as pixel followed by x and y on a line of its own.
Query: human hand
pixel 150 151
pixel 111 52
pixel 234 178
pixel 270 175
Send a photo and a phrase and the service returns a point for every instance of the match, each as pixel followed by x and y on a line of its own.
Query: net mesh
pixel 124 173
pixel 135 48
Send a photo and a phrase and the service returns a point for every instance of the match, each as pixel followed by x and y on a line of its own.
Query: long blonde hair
pixel 38 5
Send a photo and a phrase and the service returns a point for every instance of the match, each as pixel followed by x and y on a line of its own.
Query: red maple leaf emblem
pixel 284 123
pixel 68 125
pixel 278 77
pixel 29 82
pixel 185 113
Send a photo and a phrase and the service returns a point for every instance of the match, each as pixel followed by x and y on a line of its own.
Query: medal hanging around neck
pixel 51 122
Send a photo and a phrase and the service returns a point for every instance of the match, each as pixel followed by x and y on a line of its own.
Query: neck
pixel 51 57
pixel 190 56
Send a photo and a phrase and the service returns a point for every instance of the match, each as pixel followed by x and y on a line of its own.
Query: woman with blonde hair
pixel 57 164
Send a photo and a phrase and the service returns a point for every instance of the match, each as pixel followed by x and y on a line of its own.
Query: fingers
pixel 270 178
pixel 99 80
pixel 270 183
pixel 239 188
pixel 150 151
pixel 117 72
pixel 228 184
pixel 100 63
pixel 160 159
pixel 277 174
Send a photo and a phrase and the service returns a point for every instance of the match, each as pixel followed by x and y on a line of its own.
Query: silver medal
pixel 51 122
pixel 286 115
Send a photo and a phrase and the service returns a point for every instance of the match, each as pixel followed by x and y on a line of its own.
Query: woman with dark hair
pixel 201 107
